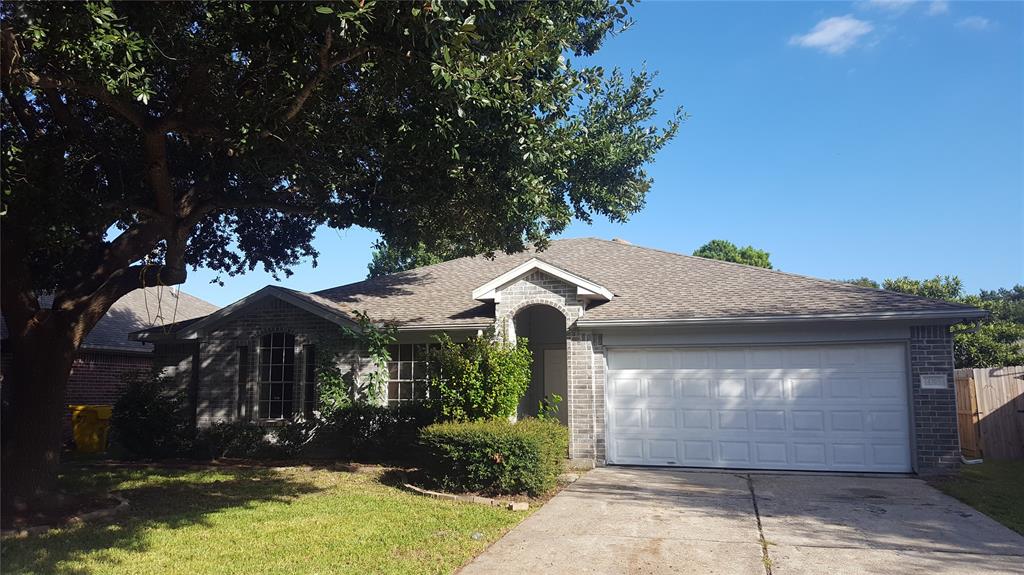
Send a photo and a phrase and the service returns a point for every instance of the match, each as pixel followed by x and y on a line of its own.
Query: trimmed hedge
pixel 496 456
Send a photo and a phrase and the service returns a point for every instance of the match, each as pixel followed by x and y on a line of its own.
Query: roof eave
pixel 970 314
pixel 192 331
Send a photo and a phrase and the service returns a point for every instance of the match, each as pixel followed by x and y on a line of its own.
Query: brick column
pixel 935 431
pixel 585 356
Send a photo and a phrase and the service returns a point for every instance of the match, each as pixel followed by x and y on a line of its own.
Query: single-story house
pixel 107 355
pixel 663 359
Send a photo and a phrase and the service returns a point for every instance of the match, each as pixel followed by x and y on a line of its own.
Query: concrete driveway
pixel 633 520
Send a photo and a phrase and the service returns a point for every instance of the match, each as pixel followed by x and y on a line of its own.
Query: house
pixel 663 359
pixel 107 355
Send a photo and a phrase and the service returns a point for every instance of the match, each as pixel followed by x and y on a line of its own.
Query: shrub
pixel 235 439
pixel 496 456
pixel 364 431
pixel 482 378
pixel 150 420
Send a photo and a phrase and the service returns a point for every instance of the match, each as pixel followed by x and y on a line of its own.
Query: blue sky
pixel 873 139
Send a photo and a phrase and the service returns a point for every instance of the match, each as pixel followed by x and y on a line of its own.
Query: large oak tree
pixel 144 139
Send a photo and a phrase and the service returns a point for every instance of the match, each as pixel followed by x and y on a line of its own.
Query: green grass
pixel 259 520
pixel 996 488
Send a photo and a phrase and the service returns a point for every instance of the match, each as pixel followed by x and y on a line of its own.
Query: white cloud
pixel 893 6
pixel 974 23
pixel 937 7
pixel 834 35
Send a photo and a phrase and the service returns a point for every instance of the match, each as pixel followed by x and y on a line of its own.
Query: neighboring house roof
pixel 648 286
pixel 152 307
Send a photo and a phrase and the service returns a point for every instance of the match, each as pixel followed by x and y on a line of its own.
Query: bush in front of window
pixel 496 456
pixel 366 432
pixel 233 439
pixel 483 378
pixel 150 420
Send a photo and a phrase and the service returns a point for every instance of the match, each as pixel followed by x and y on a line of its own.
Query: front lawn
pixel 258 520
pixel 996 488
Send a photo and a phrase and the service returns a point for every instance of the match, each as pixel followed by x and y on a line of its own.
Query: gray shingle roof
pixel 648 284
pixel 136 311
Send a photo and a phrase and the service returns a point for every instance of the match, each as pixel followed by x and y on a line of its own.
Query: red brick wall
pixel 97 377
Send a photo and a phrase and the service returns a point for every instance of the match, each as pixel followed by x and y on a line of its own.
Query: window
pixel 243 378
pixel 277 375
pixel 407 372
pixel 308 380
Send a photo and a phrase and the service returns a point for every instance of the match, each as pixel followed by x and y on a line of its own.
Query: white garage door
pixel 827 407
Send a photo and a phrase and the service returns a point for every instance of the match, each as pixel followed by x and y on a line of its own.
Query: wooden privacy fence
pixel 990 412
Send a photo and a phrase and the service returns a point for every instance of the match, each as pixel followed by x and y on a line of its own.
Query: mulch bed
pixel 63 510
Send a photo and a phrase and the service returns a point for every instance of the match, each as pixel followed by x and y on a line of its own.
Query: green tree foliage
pixel 482 378
pixel 862 282
pixel 729 252
pixel 948 288
pixel 995 341
pixel 143 139
pixel 389 259
pixel 374 341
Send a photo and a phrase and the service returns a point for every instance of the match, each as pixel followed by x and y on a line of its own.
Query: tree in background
pixel 388 259
pixel 142 139
pixel 862 282
pixel 995 341
pixel 729 252
pixel 948 288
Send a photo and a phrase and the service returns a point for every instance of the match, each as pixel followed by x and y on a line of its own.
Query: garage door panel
pixel 770 420
pixel 847 421
pixel 810 454
pixel 661 387
pixel 661 419
pixel 768 389
pixel 698 452
pixel 804 388
pixel 696 418
pixel 829 407
pixel 627 419
pixel 734 452
pixel 772 453
pixel 695 387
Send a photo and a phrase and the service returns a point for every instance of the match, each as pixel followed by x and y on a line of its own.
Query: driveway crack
pixel 765 558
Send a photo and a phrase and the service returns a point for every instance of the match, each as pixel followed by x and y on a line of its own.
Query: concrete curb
pixel 122 503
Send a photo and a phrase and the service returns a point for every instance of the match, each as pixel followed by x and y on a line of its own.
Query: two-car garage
pixel 832 407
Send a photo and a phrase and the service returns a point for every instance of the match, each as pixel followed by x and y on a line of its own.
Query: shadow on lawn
pixel 158 497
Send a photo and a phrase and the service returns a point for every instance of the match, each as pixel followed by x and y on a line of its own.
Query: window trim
pixel 398 357
pixel 262 362
pixel 309 383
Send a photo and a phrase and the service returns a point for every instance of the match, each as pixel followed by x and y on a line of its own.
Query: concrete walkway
pixel 633 520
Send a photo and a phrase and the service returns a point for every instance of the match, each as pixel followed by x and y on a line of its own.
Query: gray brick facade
pixel 220 397
pixel 936 440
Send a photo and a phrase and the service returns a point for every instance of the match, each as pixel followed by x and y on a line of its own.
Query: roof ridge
pixel 852 287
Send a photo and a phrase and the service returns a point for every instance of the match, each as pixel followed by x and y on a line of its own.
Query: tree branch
pixel 325 65
pixel 126 108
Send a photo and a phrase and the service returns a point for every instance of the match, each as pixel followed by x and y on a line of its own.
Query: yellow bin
pixel 90 425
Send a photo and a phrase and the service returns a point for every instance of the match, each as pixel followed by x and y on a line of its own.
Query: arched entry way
pixel 544 328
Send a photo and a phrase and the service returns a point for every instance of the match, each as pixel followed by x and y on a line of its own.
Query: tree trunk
pixel 43 357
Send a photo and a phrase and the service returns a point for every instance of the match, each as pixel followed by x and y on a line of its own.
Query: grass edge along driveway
pixel 259 520
pixel 996 488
